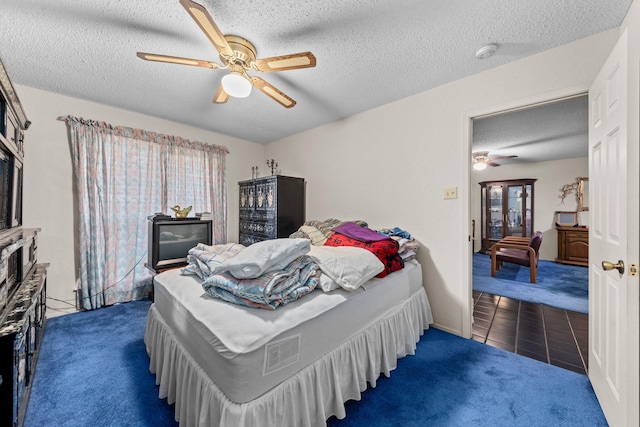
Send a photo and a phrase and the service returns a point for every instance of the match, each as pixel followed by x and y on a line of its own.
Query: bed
pixel 228 365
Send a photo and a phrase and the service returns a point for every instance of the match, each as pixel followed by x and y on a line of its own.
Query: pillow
pixel 265 256
pixel 349 267
pixel 363 234
pixel 327 284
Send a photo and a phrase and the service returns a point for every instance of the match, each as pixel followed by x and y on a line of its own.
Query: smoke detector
pixel 486 51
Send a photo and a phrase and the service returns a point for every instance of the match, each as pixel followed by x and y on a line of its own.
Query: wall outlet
pixel 451 193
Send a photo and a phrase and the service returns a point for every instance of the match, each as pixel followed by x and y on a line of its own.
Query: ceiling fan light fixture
pixel 236 85
pixel 479 166
pixel 480 160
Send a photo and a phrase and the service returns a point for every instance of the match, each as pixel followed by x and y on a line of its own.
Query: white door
pixel 611 335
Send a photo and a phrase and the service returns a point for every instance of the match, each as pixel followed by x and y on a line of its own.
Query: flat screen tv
pixel 171 238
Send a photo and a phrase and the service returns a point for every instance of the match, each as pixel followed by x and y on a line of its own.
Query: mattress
pixel 248 351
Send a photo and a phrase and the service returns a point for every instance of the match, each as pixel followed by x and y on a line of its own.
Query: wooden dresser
pixel 271 207
pixel 573 245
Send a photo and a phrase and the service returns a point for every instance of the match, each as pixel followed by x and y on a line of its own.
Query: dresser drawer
pixel 250 239
pixel 265 228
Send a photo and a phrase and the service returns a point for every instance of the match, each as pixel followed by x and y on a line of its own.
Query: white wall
pixel 551 176
pixel 48 178
pixel 390 165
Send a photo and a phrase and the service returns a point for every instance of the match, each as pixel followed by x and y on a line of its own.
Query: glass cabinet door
pixel 514 210
pixel 507 210
pixel 495 216
pixel 528 212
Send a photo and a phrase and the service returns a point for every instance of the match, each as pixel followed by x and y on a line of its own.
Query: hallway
pixel 551 335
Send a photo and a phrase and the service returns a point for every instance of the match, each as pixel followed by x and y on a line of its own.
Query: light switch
pixel 451 193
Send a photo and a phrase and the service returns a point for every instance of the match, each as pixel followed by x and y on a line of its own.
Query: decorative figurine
pixel 181 212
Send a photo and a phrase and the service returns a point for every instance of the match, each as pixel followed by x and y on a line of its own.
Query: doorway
pixel 547 142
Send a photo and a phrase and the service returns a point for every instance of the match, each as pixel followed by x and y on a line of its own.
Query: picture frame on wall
pixel 566 218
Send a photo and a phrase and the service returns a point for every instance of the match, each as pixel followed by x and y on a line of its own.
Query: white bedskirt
pixel 309 397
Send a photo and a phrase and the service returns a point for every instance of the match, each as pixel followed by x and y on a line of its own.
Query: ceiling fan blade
pixel 502 157
pixel 285 62
pixel 272 92
pixel 177 60
pixel 221 96
pixel 490 163
pixel 208 25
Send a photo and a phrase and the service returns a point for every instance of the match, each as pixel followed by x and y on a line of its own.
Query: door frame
pixel 468 117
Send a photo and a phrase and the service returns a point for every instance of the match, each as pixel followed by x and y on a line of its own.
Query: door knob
pixel 606 265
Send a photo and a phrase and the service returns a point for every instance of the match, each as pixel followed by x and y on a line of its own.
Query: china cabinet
pixel 506 210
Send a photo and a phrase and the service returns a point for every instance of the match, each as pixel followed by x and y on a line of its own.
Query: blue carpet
pixel 93 371
pixel 452 381
pixel 557 285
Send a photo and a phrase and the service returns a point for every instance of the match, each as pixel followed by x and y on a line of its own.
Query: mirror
pixel 582 194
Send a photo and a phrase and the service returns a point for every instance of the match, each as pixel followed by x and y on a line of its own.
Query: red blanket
pixel 385 250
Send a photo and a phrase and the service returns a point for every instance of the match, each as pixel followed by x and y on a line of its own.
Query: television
pixel 171 238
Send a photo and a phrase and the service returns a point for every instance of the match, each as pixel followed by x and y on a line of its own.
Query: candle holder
pixel 273 165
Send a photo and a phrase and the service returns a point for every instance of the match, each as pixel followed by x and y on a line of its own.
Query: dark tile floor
pixel 548 334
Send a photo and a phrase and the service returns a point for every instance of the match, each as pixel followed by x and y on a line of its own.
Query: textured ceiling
pixel 369 53
pixel 553 131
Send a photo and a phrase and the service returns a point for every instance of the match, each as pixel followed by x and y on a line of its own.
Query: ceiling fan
pixel 481 160
pixel 238 55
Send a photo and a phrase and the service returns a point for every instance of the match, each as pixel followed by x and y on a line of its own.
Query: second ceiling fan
pixel 481 160
pixel 238 55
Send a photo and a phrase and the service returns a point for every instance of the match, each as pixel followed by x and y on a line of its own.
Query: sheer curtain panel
pixel 123 175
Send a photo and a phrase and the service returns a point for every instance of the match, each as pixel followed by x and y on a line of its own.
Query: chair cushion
pixel 515 256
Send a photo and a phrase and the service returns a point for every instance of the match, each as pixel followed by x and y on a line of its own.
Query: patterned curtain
pixel 122 176
pixel 194 174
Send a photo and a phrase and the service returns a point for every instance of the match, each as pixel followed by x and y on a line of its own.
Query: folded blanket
pixel 396 231
pixel 381 249
pixel 313 234
pixel 385 250
pixel 263 257
pixel 391 264
pixel 406 245
pixel 204 260
pixel 318 231
pixel 357 232
pixel 270 290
